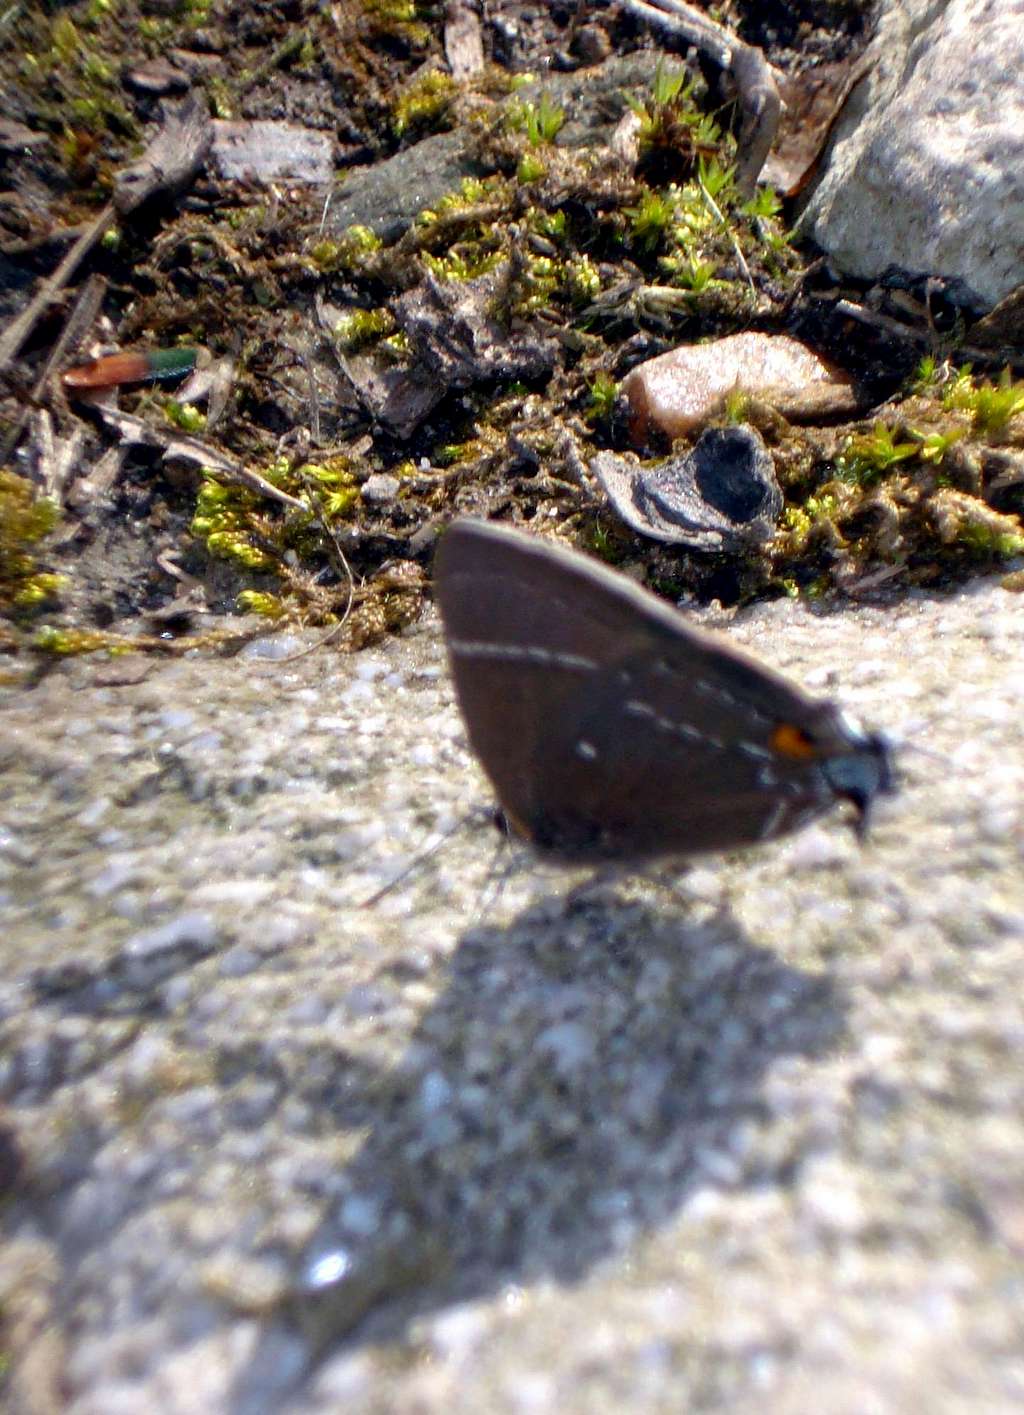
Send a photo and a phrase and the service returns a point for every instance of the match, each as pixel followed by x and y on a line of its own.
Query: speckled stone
pixel 678 391
pixel 752 1143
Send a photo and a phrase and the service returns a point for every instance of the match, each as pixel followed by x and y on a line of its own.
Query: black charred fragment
pixel 723 495
pixel 453 331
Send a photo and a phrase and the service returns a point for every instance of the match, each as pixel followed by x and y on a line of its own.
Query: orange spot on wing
pixel 792 742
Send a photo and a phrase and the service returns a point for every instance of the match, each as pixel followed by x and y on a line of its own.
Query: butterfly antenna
pixel 947 761
pixel 421 857
pixel 504 861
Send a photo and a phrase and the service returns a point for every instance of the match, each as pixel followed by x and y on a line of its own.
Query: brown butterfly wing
pixel 589 702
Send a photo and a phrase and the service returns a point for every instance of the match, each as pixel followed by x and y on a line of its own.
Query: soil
pixel 365 422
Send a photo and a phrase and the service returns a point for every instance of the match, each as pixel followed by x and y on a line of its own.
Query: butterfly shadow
pixel 582 1075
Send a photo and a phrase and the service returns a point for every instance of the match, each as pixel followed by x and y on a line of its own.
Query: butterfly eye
pixel 793 742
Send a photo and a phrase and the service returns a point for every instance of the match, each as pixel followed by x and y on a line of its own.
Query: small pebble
pixel 678 391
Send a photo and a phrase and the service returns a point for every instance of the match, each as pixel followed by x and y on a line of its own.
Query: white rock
pixel 926 168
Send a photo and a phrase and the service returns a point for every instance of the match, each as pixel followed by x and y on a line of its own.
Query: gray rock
pixel 926 170
pixel 380 489
pixel 388 196
pixel 268 151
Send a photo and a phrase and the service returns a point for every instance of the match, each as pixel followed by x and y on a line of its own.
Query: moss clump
pixel 934 446
pixel 962 520
pixel 68 643
pixel 455 207
pixel 185 416
pixel 353 248
pixel 651 219
pixel 603 391
pixel 424 103
pixel 337 484
pixel 530 169
pixel 674 134
pixel 40 590
pixel 226 521
pixel 397 19
pixel 361 327
pixel 868 457
pixel 25 520
pixel 464 264
pixel 268 606
pixel 540 121
pixel 582 280
pixel 68 64
pixel 992 406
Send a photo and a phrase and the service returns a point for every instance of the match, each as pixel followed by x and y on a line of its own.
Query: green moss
pixel 451 453
pixel 717 179
pixel 603 391
pixel 26 519
pixel 237 545
pixel 933 446
pixel 338 485
pixel 987 544
pixel 397 344
pixel 225 521
pixel 926 375
pixel 40 590
pixel 651 220
pixel 601 544
pixel 337 504
pixel 67 643
pixel 530 169
pixel 800 520
pixel 361 327
pixel 391 12
pixel 222 97
pixel 551 224
pixel 196 12
pixel 991 406
pixel 465 264
pixel 582 280
pixel 461 203
pixel 965 522
pixel 540 121
pixel 540 281
pixel 69 65
pixel 692 273
pixel 736 407
pixel 353 248
pixel 670 102
pixel 424 103
pixel 185 416
pixel 764 205
pixel 868 457
pixel 269 606
pixel 397 18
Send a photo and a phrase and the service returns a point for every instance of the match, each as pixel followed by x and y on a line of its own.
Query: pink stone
pixel 679 391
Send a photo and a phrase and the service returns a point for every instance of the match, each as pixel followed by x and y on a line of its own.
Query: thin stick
pixel 19 329
pixel 716 210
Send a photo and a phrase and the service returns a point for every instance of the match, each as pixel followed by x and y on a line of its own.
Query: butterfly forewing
pixel 587 700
